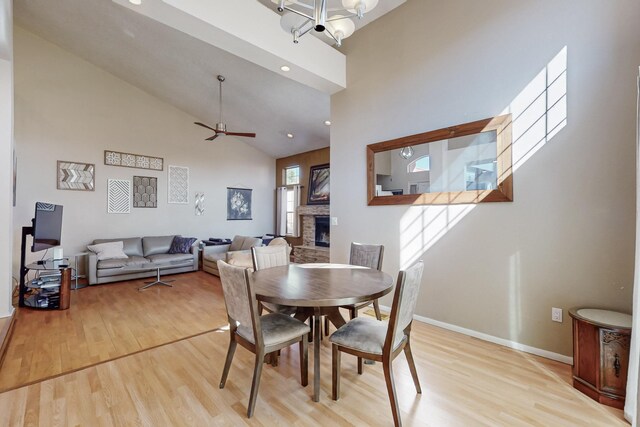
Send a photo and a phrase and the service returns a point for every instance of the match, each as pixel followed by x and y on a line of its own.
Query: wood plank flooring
pixel 465 381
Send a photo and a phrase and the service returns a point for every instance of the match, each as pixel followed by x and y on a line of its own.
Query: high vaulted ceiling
pixel 181 69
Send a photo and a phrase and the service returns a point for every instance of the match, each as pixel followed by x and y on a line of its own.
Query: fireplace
pixel 322 231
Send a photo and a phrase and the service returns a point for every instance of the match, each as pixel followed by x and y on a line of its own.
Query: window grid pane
pixel 292 175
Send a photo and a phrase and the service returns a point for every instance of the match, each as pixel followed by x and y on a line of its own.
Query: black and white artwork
pixel 238 203
pixel 145 192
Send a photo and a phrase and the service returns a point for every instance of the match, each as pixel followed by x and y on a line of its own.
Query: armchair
pixel 238 252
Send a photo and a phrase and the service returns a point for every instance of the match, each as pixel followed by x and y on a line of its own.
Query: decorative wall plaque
pixel 76 176
pixel 119 196
pixel 178 184
pixel 145 192
pixel 128 160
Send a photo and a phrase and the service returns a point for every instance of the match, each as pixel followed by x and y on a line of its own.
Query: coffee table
pixel 317 290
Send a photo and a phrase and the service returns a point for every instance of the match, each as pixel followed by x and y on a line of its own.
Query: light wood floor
pixel 465 382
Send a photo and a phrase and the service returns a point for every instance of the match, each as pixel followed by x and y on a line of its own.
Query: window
pixel 292 175
pixel 291 212
pixel 421 164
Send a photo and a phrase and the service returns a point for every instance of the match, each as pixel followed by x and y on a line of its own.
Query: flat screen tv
pixel 47 226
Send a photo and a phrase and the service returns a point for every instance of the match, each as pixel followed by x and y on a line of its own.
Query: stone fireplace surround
pixel 308 251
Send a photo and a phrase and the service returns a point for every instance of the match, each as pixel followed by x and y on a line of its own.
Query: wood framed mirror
pixel 467 163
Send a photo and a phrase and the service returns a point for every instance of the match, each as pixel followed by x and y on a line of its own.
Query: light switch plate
pixel 334 220
pixel 556 314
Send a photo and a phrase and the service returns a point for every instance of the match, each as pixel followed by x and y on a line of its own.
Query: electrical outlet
pixel 556 314
pixel 334 220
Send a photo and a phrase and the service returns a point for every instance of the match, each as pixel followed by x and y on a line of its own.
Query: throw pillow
pixel 181 245
pixel 109 250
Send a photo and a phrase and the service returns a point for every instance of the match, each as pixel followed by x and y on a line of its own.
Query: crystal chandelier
pixel 305 15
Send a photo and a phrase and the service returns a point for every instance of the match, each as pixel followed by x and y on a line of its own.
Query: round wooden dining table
pixel 319 290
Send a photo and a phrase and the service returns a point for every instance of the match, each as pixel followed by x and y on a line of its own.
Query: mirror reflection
pixel 463 163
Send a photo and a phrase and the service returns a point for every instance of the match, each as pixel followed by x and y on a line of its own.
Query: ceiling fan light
pixel 341 29
pixel 359 7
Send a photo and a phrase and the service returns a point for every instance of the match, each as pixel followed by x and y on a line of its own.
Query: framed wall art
pixel 318 193
pixel 238 203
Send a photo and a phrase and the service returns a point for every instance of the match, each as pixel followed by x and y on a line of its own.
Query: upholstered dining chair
pixel 268 257
pixel 259 334
pixel 372 339
pixel 365 256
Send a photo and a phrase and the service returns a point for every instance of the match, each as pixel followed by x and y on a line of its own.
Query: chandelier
pixel 305 15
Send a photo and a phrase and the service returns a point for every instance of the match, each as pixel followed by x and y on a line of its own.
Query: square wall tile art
pixel 128 160
pixel 238 203
pixel 145 192
pixel 76 176
pixel 178 184
pixel 119 196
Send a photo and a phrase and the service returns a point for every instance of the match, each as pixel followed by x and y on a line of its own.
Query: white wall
pixel 68 109
pixel 568 238
pixel 6 155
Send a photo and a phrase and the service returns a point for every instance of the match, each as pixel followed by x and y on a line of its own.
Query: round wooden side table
pixel 601 342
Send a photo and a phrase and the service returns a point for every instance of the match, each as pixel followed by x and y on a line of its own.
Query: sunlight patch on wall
pixel 539 112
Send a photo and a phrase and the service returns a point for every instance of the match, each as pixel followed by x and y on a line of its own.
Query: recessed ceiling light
pixel 327 122
pixel 285 68
pixel 290 135
pixel 136 2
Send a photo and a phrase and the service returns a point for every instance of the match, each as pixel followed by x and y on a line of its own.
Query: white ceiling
pixel 181 70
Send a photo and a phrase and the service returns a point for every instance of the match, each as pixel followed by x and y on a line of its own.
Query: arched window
pixel 421 164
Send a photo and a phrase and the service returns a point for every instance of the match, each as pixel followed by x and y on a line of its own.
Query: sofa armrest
pixel 92 268
pixel 217 249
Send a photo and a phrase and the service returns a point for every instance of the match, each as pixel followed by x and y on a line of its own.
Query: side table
pixel 77 274
pixel 601 342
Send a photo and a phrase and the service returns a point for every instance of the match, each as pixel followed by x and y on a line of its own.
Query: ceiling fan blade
pixel 204 126
pixel 249 135
pixel 212 137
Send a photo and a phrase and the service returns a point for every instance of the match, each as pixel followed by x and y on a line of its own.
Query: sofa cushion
pixel 170 259
pixel 133 261
pixel 108 250
pixel 156 245
pixel 241 243
pixel 181 245
pixel 131 246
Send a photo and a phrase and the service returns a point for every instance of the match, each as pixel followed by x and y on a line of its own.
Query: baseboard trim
pixel 5 335
pixel 490 338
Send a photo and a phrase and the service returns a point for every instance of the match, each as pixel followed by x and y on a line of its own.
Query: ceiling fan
pixel 221 128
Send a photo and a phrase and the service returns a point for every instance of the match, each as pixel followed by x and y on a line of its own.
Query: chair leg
pixel 304 361
pixel 412 367
pixel 359 365
pixel 376 308
pixel 326 326
pixel 227 363
pixel 335 372
pixel 391 389
pixel 353 313
pixel 255 384
pixel 310 327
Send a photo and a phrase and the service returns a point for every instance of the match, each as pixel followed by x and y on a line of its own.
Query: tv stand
pixel 57 293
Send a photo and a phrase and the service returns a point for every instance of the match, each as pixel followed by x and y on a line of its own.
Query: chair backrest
pixel 243 243
pixel 404 303
pixel 269 256
pixel 278 241
pixel 366 255
pixel 240 300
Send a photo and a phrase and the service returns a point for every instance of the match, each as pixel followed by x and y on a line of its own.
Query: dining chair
pixel 259 334
pixel 268 257
pixel 365 256
pixel 372 339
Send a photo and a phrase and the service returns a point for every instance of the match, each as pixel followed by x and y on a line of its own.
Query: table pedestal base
pixel 158 281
